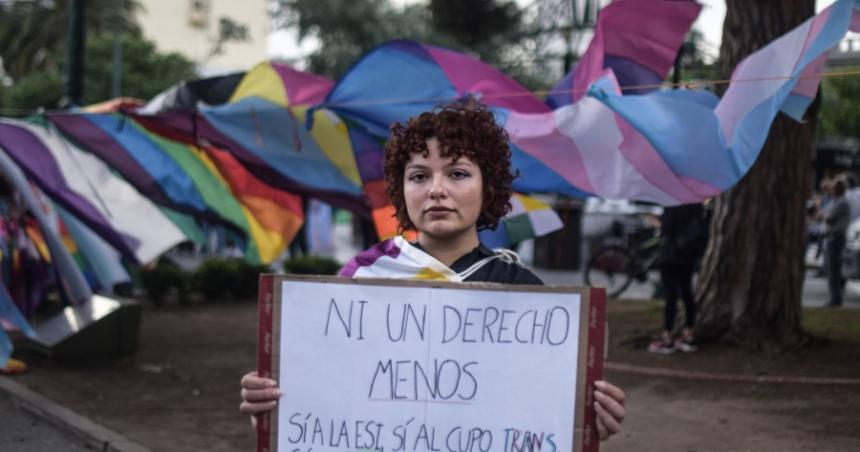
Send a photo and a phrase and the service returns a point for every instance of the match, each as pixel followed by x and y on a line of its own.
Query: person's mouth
pixel 438 210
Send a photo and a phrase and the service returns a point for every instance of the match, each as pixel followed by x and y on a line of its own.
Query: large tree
pixel 751 283
pixel 347 30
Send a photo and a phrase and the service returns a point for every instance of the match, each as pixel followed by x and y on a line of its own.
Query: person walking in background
pixel 685 236
pixel 816 227
pixel 825 193
pixel 836 217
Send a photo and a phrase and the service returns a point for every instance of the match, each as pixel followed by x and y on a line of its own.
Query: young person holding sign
pixel 448 175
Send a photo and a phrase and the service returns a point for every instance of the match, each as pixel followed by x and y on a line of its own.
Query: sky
pixel 282 44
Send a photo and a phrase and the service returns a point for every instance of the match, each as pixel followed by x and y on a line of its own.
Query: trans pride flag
pixel 637 39
pixel 692 145
pixel 545 147
pixel 668 147
pixel 372 96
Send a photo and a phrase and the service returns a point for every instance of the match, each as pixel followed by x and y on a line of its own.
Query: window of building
pixel 198 15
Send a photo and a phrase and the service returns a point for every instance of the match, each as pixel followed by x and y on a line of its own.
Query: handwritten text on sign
pixel 385 368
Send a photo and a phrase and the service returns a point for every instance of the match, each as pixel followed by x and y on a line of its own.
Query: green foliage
pixel 249 279
pixel 33 33
pixel 41 89
pixel 164 278
pixel 694 57
pixel 458 18
pixel 347 30
pixel 311 265
pixel 219 278
pixel 215 278
pixel 840 112
pixel 145 73
pixel 492 30
pixel 832 324
pixel 228 31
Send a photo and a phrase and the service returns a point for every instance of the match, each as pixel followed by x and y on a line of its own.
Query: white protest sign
pixel 409 367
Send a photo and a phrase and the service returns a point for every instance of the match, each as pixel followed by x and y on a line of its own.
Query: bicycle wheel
pixel 611 266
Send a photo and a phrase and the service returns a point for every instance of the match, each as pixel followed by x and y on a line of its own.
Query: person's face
pixel 443 197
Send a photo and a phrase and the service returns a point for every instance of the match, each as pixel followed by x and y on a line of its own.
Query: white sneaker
pixel 661 347
pixel 685 345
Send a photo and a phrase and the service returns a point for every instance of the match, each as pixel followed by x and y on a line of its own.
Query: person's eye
pixel 417 177
pixel 459 174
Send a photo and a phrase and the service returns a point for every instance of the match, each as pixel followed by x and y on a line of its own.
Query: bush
pixel 248 280
pixel 311 265
pixel 215 278
pixel 220 278
pixel 164 277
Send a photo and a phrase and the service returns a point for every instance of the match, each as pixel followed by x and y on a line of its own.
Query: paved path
pixel 32 422
pixel 22 431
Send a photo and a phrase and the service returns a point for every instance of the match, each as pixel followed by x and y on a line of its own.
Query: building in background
pixel 847 53
pixel 193 28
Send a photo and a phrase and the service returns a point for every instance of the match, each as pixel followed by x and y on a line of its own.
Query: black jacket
pixel 685 234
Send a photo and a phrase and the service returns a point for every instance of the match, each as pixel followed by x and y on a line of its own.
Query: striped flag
pixel 529 218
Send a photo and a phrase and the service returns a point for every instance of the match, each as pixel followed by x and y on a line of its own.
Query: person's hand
pixel 609 405
pixel 259 395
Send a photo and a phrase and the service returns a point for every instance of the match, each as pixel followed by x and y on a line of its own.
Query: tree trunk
pixel 751 283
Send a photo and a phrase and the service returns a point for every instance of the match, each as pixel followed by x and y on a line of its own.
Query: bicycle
pixel 615 265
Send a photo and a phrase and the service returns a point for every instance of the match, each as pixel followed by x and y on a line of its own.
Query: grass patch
pixel 824 323
pixel 834 324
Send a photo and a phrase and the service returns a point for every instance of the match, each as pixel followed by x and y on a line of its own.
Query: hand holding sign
pixel 259 395
pixel 609 406
pixel 409 366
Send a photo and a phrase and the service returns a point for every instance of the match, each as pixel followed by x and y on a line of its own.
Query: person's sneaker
pixel 13 366
pixel 661 347
pixel 685 345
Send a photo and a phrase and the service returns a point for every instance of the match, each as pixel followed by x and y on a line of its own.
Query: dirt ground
pixel 180 392
pixel 678 414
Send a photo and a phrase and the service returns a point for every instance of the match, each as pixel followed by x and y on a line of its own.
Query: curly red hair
pixel 462 128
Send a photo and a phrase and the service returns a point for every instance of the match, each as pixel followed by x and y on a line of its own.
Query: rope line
pixel 539 93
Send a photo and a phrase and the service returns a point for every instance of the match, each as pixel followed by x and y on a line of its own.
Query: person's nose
pixel 437 188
